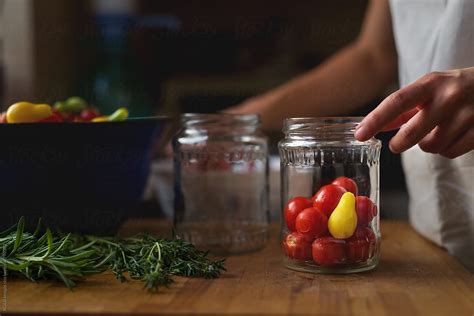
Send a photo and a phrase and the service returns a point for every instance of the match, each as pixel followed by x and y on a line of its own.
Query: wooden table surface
pixel 414 277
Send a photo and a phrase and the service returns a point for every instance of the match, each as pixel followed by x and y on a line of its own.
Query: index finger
pixel 390 109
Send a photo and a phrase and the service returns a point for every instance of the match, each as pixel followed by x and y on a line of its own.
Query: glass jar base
pixel 223 238
pixel 311 267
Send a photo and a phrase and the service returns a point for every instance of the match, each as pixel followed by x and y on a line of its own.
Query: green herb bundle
pixel 154 261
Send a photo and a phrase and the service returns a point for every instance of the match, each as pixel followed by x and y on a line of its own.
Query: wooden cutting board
pixel 414 278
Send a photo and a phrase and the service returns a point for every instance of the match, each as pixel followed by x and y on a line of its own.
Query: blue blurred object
pixel 79 177
pixel 116 79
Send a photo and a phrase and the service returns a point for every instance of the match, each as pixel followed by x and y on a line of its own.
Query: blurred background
pixel 170 57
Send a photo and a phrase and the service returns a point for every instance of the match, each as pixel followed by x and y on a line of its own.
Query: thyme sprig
pixel 70 257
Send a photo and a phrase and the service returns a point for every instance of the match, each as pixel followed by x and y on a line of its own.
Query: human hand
pixel 436 112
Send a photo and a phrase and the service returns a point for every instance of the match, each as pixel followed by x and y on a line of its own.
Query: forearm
pixel 345 82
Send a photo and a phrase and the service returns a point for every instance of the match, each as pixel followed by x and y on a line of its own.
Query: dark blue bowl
pixel 78 177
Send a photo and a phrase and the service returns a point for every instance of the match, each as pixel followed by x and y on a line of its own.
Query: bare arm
pixel 345 82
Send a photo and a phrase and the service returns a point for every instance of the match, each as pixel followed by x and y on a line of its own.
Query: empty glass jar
pixel 221 182
pixel 330 196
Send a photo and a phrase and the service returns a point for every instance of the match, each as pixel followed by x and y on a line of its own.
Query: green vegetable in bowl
pixel 71 105
pixel 120 115
pixel 75 104
pixel 60 106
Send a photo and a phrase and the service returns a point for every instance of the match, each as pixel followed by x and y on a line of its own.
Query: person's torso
pixel 432 35
pixel 437 35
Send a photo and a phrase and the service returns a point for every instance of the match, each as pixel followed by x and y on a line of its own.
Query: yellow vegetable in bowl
pixel 26 112
pixel 99 119
pixel 120 115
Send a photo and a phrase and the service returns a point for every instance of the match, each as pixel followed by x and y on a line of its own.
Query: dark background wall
pixel 180 56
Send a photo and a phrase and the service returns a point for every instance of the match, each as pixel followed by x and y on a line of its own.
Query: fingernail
pixel 360 133
pixel 393 150
pixel 358 126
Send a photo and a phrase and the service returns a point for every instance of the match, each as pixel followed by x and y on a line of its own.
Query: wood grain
pixel 414 277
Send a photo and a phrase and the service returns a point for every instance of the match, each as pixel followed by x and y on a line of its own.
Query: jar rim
pixel 331 129
pixel 196 119
pixel 308 124
pixel 323 120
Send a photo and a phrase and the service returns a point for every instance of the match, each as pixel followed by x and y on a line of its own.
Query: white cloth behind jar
pixel 225 196
pixel 160 186
pixel 438 35
pixel 442 200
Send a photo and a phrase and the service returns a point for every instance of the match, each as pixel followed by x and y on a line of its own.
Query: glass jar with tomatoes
pixel 221 182
pixel 330 193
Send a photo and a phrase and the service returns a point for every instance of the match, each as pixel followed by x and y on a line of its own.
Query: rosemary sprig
pixel 69 258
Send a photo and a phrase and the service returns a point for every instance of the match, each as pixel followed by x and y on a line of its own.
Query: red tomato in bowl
pixel 327 197
pixel 311 223
pixel 366 210
pixel 296 247
pixel 54 118
pixel 328 251
pixel 293 208
pixel 347 183
pixel 361 245
pixel 88 114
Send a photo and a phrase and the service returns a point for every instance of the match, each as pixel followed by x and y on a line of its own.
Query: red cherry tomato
pixel 366 210
pixel 312 223
pixel 293 208
pixel 296 247
pixel 328 251
pixel 3 117
pixel 54 118
pixel 364 233
pixel 66 116
pixel 327 197
pixel 361 245
pixel 88 114
pixel 357 250
pixel 347 183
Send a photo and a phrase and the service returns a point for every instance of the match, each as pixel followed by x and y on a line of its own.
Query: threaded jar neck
pixel 321 128
pixel 316 141
pixel 220 122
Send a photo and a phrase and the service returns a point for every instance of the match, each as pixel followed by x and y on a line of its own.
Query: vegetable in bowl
pixel 78 176
pixel 73 109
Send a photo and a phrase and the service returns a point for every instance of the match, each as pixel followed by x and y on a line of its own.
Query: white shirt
pixel 437 35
